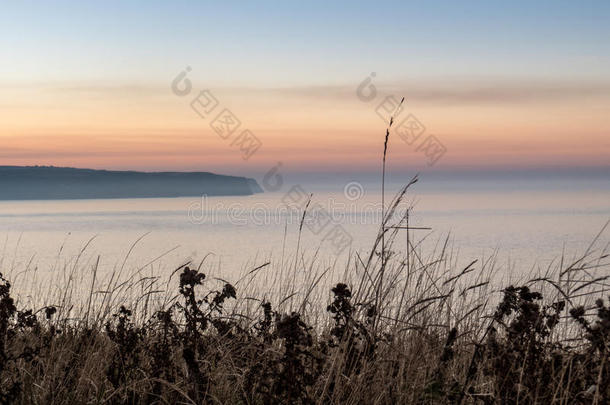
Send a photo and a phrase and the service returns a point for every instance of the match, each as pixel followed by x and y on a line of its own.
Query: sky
pixel 492 85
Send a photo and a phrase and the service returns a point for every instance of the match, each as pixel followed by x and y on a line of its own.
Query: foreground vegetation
pixel 426 335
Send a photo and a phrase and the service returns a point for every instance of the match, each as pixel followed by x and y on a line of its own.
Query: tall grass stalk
pixel 385 152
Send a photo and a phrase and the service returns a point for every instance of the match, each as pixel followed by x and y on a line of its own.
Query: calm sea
pixel 525 224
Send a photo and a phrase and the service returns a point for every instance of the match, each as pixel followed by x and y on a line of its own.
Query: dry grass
pixel 435 333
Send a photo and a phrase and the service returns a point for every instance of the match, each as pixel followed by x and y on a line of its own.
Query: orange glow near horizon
pixel 152 129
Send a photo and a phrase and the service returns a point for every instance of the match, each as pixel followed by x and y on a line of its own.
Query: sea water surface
pixel 526 225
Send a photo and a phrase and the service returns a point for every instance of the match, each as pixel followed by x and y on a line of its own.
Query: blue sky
pixel 292 43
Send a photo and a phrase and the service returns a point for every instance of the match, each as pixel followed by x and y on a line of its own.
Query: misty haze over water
pixel 528 221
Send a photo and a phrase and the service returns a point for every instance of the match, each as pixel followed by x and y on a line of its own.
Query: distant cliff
pixel 58 183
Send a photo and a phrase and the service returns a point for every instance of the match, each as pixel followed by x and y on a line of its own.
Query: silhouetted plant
pixel 353 337
pixel 521 359
pixel 437 388
pixel 127 359
pixel 298 369
pixel 9 389
pixel 19 342
pixel 597 356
